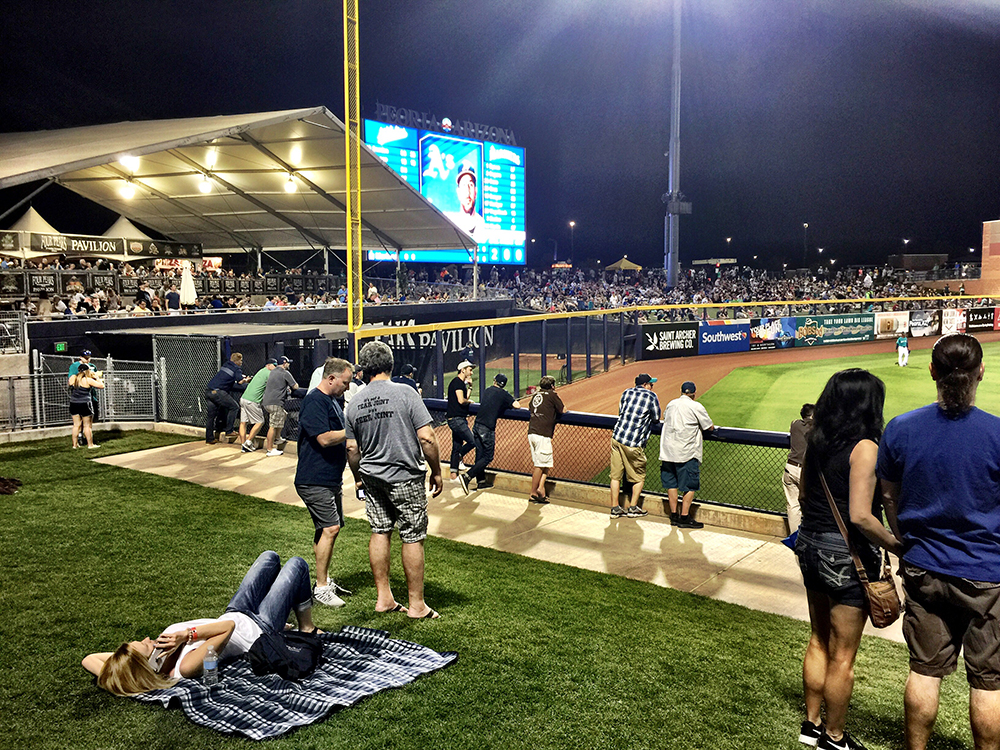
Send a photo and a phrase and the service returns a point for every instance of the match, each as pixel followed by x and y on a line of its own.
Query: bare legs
pixel 685 501
pixel 379 551
pixel 538 477
pixel 921 703
pixel 323 549
pixel 77 425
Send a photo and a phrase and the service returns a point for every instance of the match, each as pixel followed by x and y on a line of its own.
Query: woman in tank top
pixel 81 403
pixel 842 447
pixel 268 593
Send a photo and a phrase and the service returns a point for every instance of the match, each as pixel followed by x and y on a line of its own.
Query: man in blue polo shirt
pixel 219 395
pixel 319 473
pixel 638 411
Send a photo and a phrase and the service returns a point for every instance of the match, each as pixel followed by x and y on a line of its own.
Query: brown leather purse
pixel 883 599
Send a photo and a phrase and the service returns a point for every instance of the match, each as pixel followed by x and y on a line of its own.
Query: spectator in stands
pixel 141 310
pixel 495 402
pixel 280 385
pixel 545 409
pixel 173 298
pixel 143 295
pixel 222 406
pixel 251 411
pixel 81 399
pixel 842 448
pixel 406 377
pixel 684 421
pixel 938 466
pixel 457 415
pixel 389 436
pixel 798 433
pixel 638 411
pixel 319 472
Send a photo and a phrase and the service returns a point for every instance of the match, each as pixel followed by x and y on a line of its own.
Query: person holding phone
pixel 81 403
pixel 268 593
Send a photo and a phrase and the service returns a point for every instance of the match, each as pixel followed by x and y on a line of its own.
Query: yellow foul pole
pixel 352 115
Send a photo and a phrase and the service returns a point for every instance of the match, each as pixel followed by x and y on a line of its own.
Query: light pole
pixel 555 249
pixel 805 238
pixel 572 246
pixel 728 243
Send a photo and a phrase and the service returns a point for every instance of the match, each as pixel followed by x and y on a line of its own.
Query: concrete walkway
pixel 753 570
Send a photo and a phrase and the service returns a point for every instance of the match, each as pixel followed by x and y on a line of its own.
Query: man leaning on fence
pixel 681 442
pixel 219 393
pixel 496 401
pixel 638 411
pixel 389 434
pixel 251 411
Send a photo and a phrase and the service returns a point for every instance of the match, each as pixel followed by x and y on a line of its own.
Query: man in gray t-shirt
pixel 280 385
pixel 389 434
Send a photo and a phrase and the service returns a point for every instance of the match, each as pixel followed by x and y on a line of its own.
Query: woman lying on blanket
pixel 262 602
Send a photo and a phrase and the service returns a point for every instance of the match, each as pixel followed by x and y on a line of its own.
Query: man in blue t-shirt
pixel 940 472
pixel 319 474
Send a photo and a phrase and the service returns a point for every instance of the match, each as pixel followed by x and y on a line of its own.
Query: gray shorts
pixel 325 504
pixel 251 412
pixel 277 413
pixel 403 502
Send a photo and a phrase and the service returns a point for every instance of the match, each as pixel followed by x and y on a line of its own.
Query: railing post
pixel 517 360
pixel 607 356
pixel 545 348
pixel 438 365
pixel 482 363
pixel 586 329
pixel 621 334
pixel 569 350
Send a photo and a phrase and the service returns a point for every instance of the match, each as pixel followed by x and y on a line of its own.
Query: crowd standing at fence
pixel 638 411
pixel 495 402
pixel 681 452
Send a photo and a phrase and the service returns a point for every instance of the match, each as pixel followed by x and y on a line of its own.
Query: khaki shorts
pixel 541 451
pixel 945 615
pixel 277 415
pixel 627 461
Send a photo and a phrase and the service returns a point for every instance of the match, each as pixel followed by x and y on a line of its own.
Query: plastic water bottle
pixel 210 667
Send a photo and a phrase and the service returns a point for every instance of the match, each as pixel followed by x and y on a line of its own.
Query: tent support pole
pixel 24 200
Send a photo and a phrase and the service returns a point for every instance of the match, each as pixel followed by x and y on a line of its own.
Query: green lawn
pixel 550 656
pixel 769 397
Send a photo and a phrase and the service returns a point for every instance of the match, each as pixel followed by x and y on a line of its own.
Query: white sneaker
pixel 274 452
pixel 328 595
pixel 248 447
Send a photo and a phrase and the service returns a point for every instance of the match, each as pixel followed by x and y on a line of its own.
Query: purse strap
pixel 843 530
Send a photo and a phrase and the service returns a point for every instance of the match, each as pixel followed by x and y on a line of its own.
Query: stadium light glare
pixel 131 163
pixel 290 186
pixel 296 155
pixel 127 190
pixel 820 250
pixel 211 158
pixel 205 185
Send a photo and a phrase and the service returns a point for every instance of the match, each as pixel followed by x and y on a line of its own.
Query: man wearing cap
pixel 466 188
pixel 495 402
pixel 74 368
pixel 251 411
pixel 545 408
pixel 684 420
pixel 638 411
pixel 222 406
pixel 457 415
pixel 406 377
pixel 280 385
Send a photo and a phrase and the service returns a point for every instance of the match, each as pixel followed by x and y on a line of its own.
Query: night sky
pixel 872 120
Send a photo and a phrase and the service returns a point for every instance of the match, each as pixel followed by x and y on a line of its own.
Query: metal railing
pixel 12 336
pixel 741 468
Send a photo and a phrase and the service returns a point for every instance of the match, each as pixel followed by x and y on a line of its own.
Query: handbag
pixel 290 654
pixel 883 599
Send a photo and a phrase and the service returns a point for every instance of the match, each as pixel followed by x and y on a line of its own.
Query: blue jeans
pixel 461 440
pixel 220 405
pixel 269 591
pixel 485 448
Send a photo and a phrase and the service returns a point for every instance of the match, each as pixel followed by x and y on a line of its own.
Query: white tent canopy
pixel 245 162
pixel 32 221
pixel 125 228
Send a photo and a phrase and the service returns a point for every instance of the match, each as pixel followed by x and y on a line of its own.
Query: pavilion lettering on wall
pixel 411 118
pixel 453 340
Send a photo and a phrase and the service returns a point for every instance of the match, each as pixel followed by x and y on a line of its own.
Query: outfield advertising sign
pixel 952 321
pixel 925 323
pixel 662 340
pixel 723 336
pixel 889 325
pixel 772 333
pixel 814 330
pixel 979 319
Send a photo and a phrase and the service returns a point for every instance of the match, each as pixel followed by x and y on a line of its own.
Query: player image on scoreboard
pixel 450 178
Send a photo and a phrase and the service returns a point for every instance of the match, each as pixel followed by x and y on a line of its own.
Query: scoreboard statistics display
pixel 478 184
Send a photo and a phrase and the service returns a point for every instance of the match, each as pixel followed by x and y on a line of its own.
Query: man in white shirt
pixel 684 420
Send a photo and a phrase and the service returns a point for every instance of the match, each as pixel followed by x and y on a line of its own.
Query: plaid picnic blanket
pixel 356 662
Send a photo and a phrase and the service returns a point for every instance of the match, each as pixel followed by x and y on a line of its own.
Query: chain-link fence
pixel 741 468
pixel 184 365
pixel 11 332
pixel 129 392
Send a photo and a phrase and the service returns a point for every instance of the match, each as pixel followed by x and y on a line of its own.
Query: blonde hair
pixel 127 672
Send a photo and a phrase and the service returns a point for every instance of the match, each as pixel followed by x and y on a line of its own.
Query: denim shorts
pixel 827 567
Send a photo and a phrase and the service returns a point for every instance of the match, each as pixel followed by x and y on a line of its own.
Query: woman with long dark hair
pixel 842 448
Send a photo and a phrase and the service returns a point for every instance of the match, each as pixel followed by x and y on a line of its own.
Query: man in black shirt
pixel 406 377
pixel 495 402
pixel 458 415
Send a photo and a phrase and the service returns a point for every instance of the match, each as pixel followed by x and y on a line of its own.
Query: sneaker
pixel 484 485
pixel 248 447
pixel 844 743
pixel 809 733
pixel 95 445
pixel 328 595
pixel 539 500
pixel 463 479
pixel 340 590
pixel 636 512
pixel 686 522
pixel 617 511
pixel 274 452
pixel 675 519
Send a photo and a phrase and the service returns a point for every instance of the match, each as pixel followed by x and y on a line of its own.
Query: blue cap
pixel 688 387
pixel 86 353
pixel 271 361
pixel 466 169
pixel 284 361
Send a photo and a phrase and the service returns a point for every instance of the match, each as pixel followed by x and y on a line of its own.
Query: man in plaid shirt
pixel 638 411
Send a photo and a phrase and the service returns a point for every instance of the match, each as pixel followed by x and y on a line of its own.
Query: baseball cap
pixel 85 353
pixel 284 361
pixel 643 378
pixel 271 361
pixel 468 169
pixel 465 363
pixel 688 387
pixel 409 370
pixel 500 379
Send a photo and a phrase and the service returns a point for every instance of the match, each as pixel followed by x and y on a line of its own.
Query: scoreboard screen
pixel 479 185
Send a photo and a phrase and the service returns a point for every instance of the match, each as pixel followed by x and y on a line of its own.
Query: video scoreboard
pixel 478 184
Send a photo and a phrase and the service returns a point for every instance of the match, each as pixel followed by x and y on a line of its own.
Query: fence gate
pixel 184 365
